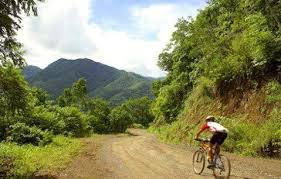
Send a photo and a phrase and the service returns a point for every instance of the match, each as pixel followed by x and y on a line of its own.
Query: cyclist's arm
pixel 203 128
pixel 198 133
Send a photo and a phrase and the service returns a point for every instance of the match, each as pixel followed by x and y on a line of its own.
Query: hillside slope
pixel 31 71
pixel 225 63
pixel 253 117
pixel 102 80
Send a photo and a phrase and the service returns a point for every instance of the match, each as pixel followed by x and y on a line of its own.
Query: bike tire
pixel 219 173
pixel 198 161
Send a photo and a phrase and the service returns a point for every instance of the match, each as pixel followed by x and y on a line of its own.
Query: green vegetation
pixel 24 161
pixel 32 125
pixel 103 81
pixel 226 62
pixel 10 22
pixel 230 41
pixel 273 92
pixel 244 138
pixel 20 133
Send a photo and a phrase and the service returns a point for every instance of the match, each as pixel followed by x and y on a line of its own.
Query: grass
pixel 26 160
pixel 246 137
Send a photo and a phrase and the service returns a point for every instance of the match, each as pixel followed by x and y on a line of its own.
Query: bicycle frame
pixel 205 145
pixel 217 159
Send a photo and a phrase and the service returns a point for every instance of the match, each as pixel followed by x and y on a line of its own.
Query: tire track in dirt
pixel 143 156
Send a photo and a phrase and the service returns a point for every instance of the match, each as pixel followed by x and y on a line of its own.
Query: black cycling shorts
pixel 218 138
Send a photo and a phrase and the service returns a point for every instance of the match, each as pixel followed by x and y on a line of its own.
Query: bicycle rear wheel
pixel 222 167
pixel 198 161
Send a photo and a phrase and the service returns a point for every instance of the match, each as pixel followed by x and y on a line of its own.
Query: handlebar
pixel 203 140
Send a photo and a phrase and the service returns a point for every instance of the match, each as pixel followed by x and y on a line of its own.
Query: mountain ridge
pixel 102 80
pixel 30 71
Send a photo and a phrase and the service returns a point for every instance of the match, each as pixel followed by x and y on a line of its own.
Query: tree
pixel 14 98
pixel 41 96
pixel 229 41
pixel 66 98
pixel 74 96
pixel 156 86
pixel 169 102
pixel 75 122
pixel 139 109
pixel 99 110
pixel 14 92
pixel 120 119
pixel 10 20
pixel 79 90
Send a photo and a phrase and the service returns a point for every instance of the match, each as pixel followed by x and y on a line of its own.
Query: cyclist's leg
pixel 213 142
pixel 217 148
pixel 210 153
pixel 220 141
pixel 212 149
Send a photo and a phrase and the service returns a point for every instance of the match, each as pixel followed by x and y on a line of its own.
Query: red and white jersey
pixel 214 127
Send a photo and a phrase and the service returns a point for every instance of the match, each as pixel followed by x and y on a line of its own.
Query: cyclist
pixel 219 135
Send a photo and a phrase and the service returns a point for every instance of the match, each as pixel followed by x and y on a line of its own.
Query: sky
pixel 125 34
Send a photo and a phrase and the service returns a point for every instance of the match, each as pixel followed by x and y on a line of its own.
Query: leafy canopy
pixel 10 20
pixel 229 40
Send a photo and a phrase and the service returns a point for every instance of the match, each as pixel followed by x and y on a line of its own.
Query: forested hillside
pixel 102 80
pixel 38 132
pixel 31 71
pixel 226 62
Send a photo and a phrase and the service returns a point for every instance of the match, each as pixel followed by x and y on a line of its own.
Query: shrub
pixel 98 125
pixel 45 119
pixel 98 111
pixel 23 134
pixel 120 119
pixel 4 127
pixel 248 138
pixel 273 92
pixel 137 126
pixel 75 121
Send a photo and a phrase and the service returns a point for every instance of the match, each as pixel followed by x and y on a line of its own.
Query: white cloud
pixel 63 30
pixel 161 18
pixel 59 31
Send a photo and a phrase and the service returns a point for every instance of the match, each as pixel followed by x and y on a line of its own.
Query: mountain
pixel 102 80
pixel 31 71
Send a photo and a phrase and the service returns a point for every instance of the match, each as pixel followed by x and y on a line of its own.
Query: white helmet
pixel 210 119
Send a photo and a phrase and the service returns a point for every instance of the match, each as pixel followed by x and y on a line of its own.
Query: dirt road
pixel 143 156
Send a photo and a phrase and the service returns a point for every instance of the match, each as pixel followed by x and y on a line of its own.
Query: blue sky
pixel 126 34
pixel 116 14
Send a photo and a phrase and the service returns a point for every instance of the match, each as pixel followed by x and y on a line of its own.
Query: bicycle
pixel 222 166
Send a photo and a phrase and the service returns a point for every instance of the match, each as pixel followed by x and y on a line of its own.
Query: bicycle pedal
pixel 211 166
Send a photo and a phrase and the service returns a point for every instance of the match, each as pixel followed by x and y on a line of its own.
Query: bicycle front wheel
pixel 198 161
pixel 222 167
